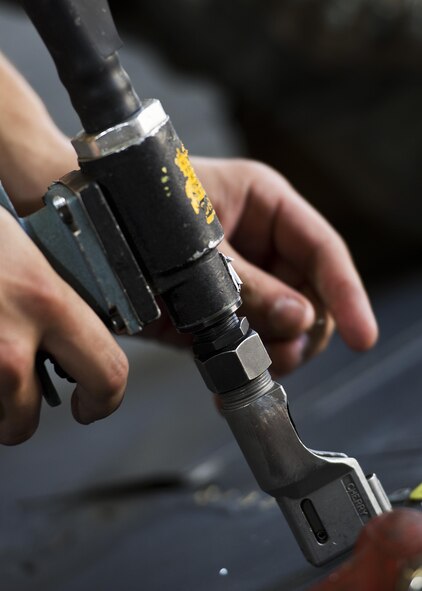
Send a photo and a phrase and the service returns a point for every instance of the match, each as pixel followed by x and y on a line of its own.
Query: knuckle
pixel 328 239
pixel 256 168
pixel 43 299
pixel 22 422
pixel 15 365
pixel 16 436
pixel 252 168
pixel 116 374
pixel 340 244
pixel 243 162
pixel 326 242
pixel 344 287
pixel 255 165
pixel 260 170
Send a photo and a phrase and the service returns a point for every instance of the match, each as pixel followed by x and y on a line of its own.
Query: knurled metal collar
pixel 131 132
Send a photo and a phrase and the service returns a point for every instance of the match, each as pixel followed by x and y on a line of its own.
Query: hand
pixel 38 310
pixel 298 277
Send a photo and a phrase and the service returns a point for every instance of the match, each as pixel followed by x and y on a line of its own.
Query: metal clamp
pixel 114 139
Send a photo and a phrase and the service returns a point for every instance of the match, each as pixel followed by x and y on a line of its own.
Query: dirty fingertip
pixel 287 356
pixel 79 411
pixel 290 315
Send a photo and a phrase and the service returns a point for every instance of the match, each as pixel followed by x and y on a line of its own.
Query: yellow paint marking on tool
pixel 193 188
pixel 416 494
pixel 165 179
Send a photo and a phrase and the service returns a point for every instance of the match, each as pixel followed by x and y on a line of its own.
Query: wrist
pixel 27 168
pixel 33 152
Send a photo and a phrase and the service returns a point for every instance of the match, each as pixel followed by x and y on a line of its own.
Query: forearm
pixel 33 152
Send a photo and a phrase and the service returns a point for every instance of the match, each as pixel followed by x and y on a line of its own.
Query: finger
pixel 273 219
pixel 20 395
pixel 68 329
pixel 85 349
pixel 273 308
pixel 286 273
pixel 323 327
pixel 226 183
pixel 308 242
pixel 286 356
pixel 322 330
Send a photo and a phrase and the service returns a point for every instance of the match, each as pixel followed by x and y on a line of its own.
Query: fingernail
pixel 290 311
pixel 80 412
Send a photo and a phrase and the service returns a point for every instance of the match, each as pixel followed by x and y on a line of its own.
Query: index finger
pixel 85 349
pixel 306 240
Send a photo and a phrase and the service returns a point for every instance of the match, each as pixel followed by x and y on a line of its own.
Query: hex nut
pixel 235 367
pixel 224 340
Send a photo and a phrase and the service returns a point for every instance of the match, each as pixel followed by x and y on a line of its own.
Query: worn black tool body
pixel 135 223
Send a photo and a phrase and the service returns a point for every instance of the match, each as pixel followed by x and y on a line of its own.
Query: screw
pixel 117 321
pixel 63 210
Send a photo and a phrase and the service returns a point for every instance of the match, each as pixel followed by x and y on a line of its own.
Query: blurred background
pixel 158 496
pixel 327 91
